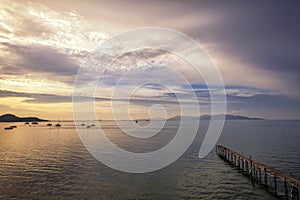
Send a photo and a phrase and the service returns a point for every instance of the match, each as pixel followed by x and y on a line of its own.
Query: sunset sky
pixel 255 44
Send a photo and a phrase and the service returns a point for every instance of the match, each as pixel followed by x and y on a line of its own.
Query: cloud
pixel 37 41
pixel 36 98
pixel 255 44
pixel 29 22
pixel 47 61
pixel 53 98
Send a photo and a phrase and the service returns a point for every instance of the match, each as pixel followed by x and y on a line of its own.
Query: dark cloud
pixel 154 86
pixel 36 98
pixel 50 62
pixel 258 36
pixel 53 98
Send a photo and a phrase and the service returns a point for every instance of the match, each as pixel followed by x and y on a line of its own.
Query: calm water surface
pixel 40 162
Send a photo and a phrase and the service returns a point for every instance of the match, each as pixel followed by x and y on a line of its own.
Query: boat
pixel 26 122
pixel 34 123
pixel 58 124
pixel 87 124
pixel 82 124
pixel 8 128
pixel 49 124
pixel 13 126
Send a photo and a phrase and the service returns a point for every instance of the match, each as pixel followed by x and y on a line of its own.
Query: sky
pixel 255 45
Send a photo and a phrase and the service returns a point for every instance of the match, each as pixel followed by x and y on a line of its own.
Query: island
pixel 216 117
pixel 14 118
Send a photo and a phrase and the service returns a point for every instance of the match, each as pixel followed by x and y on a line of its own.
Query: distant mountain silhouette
pixel 13 118
pixel 208 117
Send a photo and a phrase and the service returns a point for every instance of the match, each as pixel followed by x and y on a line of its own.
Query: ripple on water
pixel 50 163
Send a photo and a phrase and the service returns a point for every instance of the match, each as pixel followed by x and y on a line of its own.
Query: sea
pixel 41 162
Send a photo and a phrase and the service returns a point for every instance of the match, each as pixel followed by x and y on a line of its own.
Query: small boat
pixel 87 125
pixel 26 122
pixel 13 126
pixel 136 121
pixel 93 125
pixel 49 124
pixel 8 128
pixel 58 124
pixel 82 124
pixel 34 123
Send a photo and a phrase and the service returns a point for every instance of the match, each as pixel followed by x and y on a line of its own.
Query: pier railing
pixel 261 173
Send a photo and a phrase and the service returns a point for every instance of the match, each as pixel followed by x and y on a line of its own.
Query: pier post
pixel 227 152
pixel 228 156
pixel 250 167
pixel 266 178
pixel 285 189
pixel 296 192
pixel 293 193
pixel 275 184
pixel 242 164
pixel 255 171
pixel 234 160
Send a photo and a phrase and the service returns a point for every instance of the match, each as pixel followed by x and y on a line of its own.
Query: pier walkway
pixel 270 177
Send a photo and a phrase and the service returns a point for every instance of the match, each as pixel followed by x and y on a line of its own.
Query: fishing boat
pixel 58 124
pixel 87 124
pixel 34 123
pixel 49 124
pixel 8 128
pixel 13 126
pixel 26 123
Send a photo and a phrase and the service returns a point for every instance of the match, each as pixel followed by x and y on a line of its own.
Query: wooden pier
pixel 262 174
